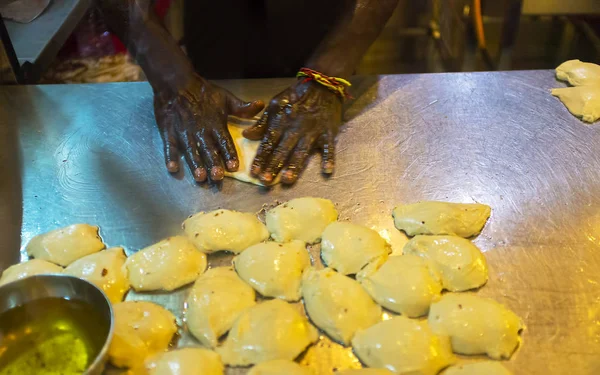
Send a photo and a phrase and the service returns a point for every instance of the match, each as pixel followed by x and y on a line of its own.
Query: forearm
pixel 342 49
pixel 134 22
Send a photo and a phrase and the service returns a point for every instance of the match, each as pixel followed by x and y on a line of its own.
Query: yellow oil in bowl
pixel 50 336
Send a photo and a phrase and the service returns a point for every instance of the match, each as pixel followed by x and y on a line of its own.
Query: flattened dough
pixel 458 219
pixel 366 371
pixel 224 230
pixel 30 268
pixel 185 361
pixel 279 367
pixel 218 297
pixel 301 219
pixel 270 330
pixel 476 325
pixel 348 247
pixel 404 284
pixel 274 269
pixel 337 304
pixel 478 368
pixel 141 329
pixel 105 270
pixel 581 101
pixel 579 73
pixel 404 346
pixel 64 245
pixel 460 263
pixel 166 265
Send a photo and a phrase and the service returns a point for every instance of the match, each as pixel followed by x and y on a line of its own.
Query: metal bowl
pixel 32 288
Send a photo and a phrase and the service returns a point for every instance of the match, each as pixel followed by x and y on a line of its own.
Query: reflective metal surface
pixel 92 154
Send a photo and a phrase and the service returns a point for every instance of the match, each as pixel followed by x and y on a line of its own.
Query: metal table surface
pixel 90 153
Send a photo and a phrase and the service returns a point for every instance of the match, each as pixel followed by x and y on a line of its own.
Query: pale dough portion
pixel 404 284
pixel 476 325
pixel 218 297
pixel 458 219
pixel 65 245
pixel 141 329
pixel 579 73
pixel 581 101
pixel 279 367
pixel 365 371
pixel 301 219
pixel 224 230
pixel 185 361
pixel 348 247
pixel 337 304
pixel 478 368
pixel 461 264
pixel 105 270
pixel 274 269
pixel 404 346
pixel 166 265
pixel 30 268
pixel 270 330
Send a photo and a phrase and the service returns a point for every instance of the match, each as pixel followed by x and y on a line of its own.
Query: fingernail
pixel 267 177
pixel 328 167
pixel 200 174
pixel 216 173
pixel 172 166
pixel 288 176
pixel 255 170
pixel 232 165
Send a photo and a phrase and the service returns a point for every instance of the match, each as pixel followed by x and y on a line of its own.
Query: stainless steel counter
pixel 92 154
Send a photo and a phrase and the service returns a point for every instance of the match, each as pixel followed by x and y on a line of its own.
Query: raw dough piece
pixel 141 329
pixel 478 368
pixel 366 371
pixel 105 270
pixel 460 263
pixel 476 325
pixel 166 265
pixel 581 101
pixel 185 361
pixel 458 219
pixel 65 245
pixel 404 346
pixel 274 269
pixel 301 219
pixel 579 73
pixel 30 268
pixel 270 330
pixel 218 297
pixel 404 284
pixel 224 230
pixel 337 304
pixel 348 247
pixel 279 367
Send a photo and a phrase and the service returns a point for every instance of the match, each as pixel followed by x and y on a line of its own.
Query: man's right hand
pixel 193 120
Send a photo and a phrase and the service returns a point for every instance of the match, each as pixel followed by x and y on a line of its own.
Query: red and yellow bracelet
pixel 335 84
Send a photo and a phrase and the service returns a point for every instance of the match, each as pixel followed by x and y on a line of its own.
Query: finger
pixel 188 144
pixel 298 159
pixel 210 155
pixel 226 148
pixel 257 131
pixel 328 158
pixel 280 156
pixel 238 107
pixel 268 144
pixel 165 119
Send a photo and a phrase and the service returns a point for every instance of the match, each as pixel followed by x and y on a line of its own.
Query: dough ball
pixel 141 329
pixel 30 268
pixel 476 325
pixel 216 300
pixel 404 284
pixel 274 269
pixel 338 304
pixel 478 368
pixel 166 265
pixel 279 367
pixel 404 346
pixel 581 101
pixel 270 330
pixel 224 230
pixel 348 247
pixel 457 219
pixel 64 245
pixel 105 270
pixel 301 219
pixel 185 361
pixel 460 263
pixel 579 73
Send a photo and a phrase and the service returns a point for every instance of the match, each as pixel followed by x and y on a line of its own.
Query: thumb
pixel 238 107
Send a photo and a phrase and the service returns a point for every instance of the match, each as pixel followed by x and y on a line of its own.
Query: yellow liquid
pixel 50 336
